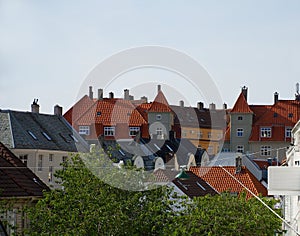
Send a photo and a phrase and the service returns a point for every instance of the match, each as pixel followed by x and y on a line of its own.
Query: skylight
pixel 74 138
pixel 155 145
pixel 47 136
pixel 169 148
pixel 200 186
pixel 120 151
pixel 32 135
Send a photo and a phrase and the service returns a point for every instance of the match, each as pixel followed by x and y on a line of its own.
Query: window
pixel 40 162
pixel 73 137
pixel 24 159
pixel 64 158
pixel 265 132
pixel 184 133
pixel 47 136
pixel 159 131
pixel 265 151
pixel 200 134
pixel 32 135
pixel 109 131
pixel 158 117
pixel 209 134
pixel 50 174
pixel 51 157
pixel 288 132
pixel 240 148
pixel 98 113
pixel 240 118
pixel 133 131
pixel 210 150
pixel 290 115
pixel 84 130
pixel 239 132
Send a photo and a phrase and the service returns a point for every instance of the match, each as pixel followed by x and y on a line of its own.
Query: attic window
pixel 73 137
pixel 290 115
pixel 169 148
pixel 47 136
pixel 200 186
pixel 32 135
pixel 98 113
pixel 275 114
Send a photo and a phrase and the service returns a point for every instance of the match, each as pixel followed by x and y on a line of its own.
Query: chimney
pixel 158 88
pixel 238 164
pixel 144 99
pixel 35 107
pixel 111 95
pixel 91 92
pixel 58 110
pixel 224 106
pixel 276 95
pixel 126 94
pixel 200 105
pixel 245 92
pixel 212 106
pixel 181 103
pixel 100 94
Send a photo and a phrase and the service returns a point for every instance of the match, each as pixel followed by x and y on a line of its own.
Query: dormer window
pixel 266 132
pixel 133 131
pixel 109 131
pixel 84 129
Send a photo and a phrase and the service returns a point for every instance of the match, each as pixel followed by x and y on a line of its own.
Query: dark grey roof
pixel 27 130
pixel 16 180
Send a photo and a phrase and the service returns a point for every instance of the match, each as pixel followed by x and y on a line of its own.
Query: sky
pixel 48 48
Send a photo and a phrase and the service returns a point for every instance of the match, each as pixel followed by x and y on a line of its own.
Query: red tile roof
pixel 160 104
pixel 219 179
pixel 16 180
pixel 241 105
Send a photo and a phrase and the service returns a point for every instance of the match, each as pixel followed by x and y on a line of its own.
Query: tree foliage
pixel 89 205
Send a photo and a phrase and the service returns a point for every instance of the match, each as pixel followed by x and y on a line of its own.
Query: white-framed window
pixel 40 162
pixel 51 157
pixel 133 131
pixel 240 118
pixel 240 148
pixel 184 134
pixel 266 132
pixel 200 134
pixel 158 117
pixel 24 158
pixel 209 135
pixel 288 132
pixel 159 131
pixel 265 150
pixel 50 174
pixel 210 150
pixel 109 131
pixel 239 132
pixel 84 129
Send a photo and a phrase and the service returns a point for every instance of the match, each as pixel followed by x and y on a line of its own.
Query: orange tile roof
pixel 241 105
pixel 160 104
pixel 219 179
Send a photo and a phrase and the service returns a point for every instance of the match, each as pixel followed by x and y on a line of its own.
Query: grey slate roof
pixel 16 180
pixel 27 130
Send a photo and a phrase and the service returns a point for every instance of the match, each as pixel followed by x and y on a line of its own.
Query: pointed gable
pixel 160 103
pixel 241 105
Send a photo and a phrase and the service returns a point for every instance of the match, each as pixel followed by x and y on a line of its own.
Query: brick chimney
pixel 35 107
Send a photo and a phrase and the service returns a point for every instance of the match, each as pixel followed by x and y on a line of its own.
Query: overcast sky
pixel 47 48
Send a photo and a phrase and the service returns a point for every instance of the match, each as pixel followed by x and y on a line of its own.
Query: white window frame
pixel 265 132
pixel 184 133
pixel 159 131
pixel 240 148
pixel 50 174
pixel 265 150
pixel 209 135
pixel 288 132
pixel 200 134
pixel 84 129
pixel 133 131
pixel 24 158
pixel 240 132
pixel 109 131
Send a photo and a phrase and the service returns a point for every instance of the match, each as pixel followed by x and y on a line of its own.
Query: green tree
pixel 89 204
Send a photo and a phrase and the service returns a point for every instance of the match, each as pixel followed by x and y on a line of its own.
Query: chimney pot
pixel 276 96
pixel 35 107
pixel 181 103
pixel 91 92
pixel 200 105
pixel 58 110
pixel 100 94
